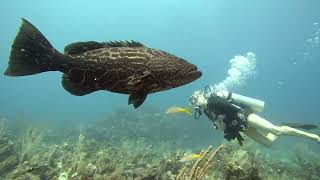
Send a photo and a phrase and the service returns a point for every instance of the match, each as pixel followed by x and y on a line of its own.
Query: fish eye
pixel 182 60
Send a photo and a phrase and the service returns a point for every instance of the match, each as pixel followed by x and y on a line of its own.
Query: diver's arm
pixel 209 115
pixel 212 117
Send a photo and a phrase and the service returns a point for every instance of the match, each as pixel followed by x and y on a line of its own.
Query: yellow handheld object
pixel 176 109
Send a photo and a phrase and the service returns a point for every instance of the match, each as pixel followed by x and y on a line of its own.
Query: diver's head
pixel 198 99
pixel 199 102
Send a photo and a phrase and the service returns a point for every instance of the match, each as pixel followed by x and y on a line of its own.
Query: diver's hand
pixel 231 136
pixel 240 139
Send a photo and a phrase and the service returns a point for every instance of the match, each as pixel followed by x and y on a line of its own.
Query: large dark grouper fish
pixel 126 67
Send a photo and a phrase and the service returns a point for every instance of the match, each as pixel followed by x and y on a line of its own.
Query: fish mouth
pixel 193 73
pixel 184 76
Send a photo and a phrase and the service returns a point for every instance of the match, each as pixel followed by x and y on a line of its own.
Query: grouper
pixel 126 67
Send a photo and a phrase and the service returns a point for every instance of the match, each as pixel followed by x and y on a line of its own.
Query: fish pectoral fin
pixel 138 80
pixel 74 88
pixel 81 47
pixel 137 99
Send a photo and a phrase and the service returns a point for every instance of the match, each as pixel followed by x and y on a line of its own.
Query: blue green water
pixel 284 36
pixel 206 33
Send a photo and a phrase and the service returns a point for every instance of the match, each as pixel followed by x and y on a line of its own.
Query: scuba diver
pixel 234 113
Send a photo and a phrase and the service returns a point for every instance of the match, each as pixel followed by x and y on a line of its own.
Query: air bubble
pixel 241 68
pixel 312 44
pixel 316 40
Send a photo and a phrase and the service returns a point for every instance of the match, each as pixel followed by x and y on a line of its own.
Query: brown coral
pixel 200 167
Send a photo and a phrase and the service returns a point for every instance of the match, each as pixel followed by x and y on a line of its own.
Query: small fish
pixel 126 67
pixel 190 157
pixel 176 109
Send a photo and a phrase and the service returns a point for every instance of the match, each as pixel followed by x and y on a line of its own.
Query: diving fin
pixel 301 125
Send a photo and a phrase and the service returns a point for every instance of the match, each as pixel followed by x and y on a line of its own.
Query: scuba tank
pixel 255 105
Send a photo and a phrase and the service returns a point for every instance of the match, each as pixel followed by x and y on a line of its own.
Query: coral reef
pixel 143 145
pixel 200 167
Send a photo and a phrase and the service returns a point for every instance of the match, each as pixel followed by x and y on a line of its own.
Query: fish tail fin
pixel 31 52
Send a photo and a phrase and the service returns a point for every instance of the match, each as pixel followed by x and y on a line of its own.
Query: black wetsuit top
pixel 235 117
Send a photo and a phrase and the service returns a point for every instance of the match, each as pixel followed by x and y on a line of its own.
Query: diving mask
pixel 195 97
pixel 199 102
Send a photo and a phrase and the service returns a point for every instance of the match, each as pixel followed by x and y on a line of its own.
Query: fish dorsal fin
pixel 80 47
pixel 75 88
pixel 123 44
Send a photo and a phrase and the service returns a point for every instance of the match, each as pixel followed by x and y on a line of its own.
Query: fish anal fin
pixel 77 89
pixel 137 99
pixel 81 47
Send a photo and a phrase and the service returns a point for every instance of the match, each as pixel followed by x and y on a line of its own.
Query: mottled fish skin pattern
pixel 130 69
pixel 126 67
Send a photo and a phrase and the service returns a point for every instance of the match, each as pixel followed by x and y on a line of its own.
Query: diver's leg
pixel 296 132
pixel 260 123
pixel 257 136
